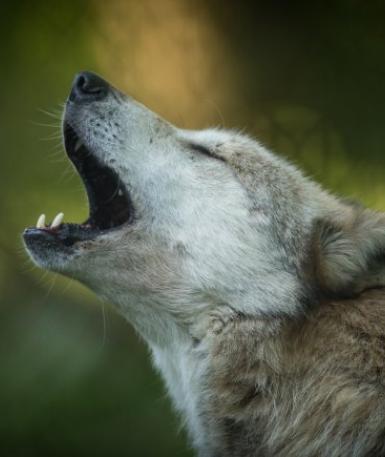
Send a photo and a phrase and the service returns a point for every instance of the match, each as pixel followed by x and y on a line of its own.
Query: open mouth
pixel 110 205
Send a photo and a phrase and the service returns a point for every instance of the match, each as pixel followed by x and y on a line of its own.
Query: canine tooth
pixel 78 145
pixel 41 221
pixel 57 221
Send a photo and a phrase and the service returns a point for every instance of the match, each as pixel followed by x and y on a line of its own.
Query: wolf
pixel 259 294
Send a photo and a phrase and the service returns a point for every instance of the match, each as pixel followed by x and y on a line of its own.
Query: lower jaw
pixel 66 234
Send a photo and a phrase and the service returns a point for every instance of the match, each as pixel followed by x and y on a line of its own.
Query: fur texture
pixel 249 282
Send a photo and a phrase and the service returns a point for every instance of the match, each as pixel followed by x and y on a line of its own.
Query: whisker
pixel 54 136
pixel 49 290
pixel 104 324
pixel 54 115
pixel 43 124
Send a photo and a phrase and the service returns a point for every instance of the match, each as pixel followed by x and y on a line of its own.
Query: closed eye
pixel 205 151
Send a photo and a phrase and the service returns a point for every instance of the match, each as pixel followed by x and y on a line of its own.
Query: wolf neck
pixel 162 321
pixel 181 354
pixel 184 371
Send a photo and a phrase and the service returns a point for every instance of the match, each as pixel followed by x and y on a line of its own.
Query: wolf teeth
pixel 57 221
pixel 41 222
pixel 78 145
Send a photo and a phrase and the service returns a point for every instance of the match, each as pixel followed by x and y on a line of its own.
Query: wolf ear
pixel 350 251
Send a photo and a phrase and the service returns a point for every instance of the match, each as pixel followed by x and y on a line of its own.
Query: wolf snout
pixel 88 87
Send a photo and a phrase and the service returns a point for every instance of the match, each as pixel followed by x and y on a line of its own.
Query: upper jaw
pixel 109 201
pixel 110 205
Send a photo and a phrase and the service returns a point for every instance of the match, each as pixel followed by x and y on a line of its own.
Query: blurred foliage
pixel 306 78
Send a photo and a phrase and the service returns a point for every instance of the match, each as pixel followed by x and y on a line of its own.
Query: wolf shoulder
pixel 310 386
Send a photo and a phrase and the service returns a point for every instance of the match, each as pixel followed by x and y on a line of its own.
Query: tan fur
pixel 313 386
pixel 349 250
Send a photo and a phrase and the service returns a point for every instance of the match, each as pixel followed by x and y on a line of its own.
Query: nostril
pixel 88 87
pixel 80 82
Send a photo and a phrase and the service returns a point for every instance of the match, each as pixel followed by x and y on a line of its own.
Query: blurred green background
pixel 307 78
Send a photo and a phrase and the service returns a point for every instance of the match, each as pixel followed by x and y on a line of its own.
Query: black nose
pixel 88 87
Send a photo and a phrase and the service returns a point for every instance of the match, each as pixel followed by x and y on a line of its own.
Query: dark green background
pixel 307 78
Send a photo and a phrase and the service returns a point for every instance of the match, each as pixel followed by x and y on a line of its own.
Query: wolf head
pixel 183 222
